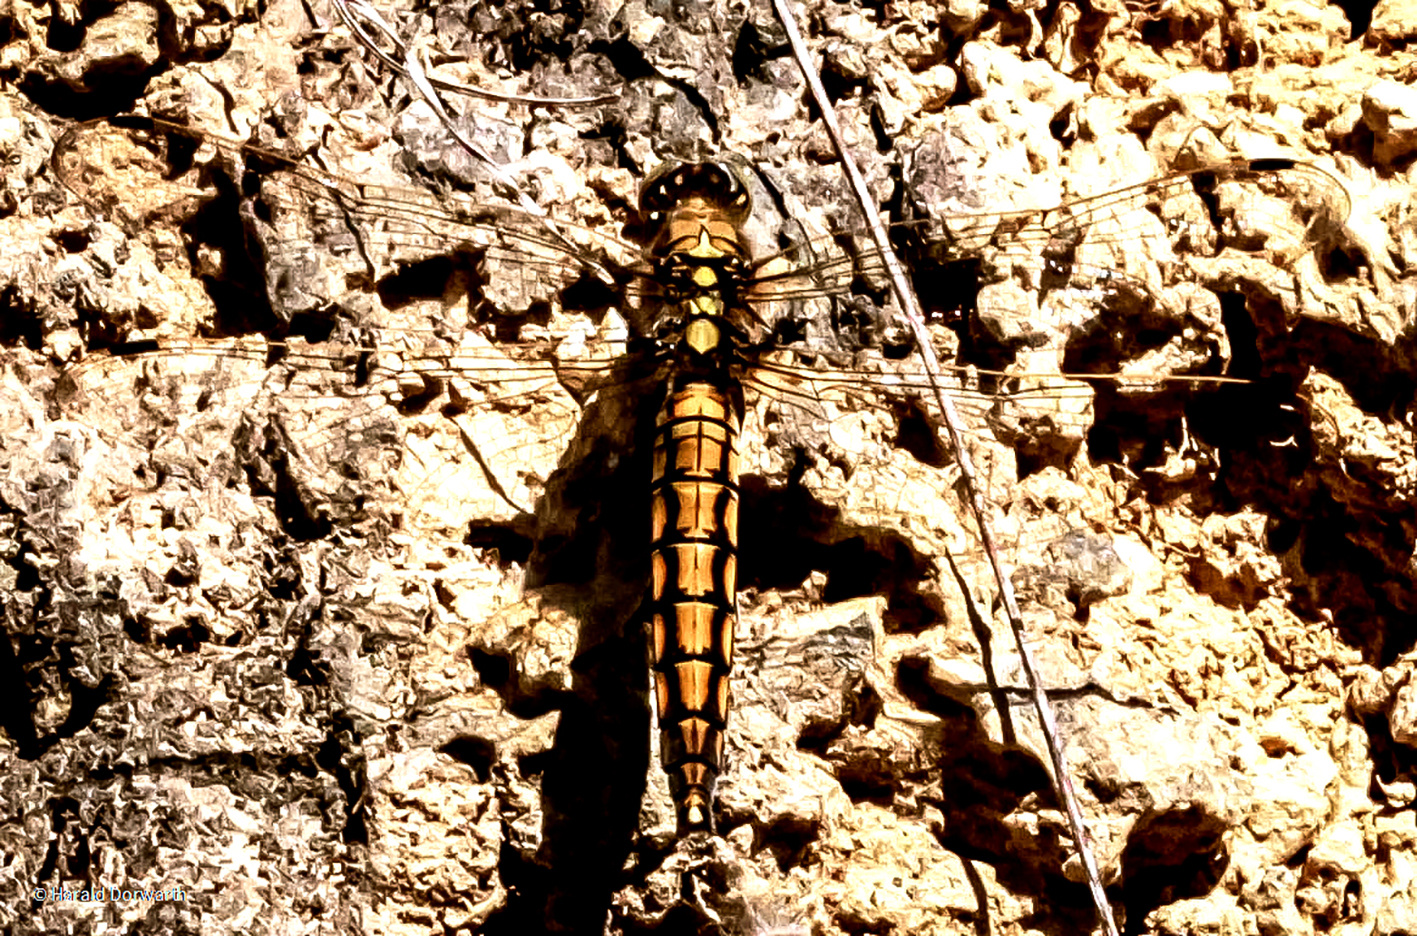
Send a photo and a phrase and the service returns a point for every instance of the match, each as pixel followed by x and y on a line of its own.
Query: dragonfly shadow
pixel 586 556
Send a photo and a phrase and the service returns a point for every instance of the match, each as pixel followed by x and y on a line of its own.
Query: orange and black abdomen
pixel 693 590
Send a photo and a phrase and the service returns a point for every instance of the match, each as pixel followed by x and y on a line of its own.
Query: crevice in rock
pixel 1336 573
pixel 1359 14
pixel 1175 855
pixel 110 89
pixel 298 517
pixel 786 534
pixel 341 756
pixel 1162 31
pixel 447 276
pixel 1393 763
pixel 45 673
pixel 1377 375
pixel 512 542
pixel 856 925
pixel 243 306
pixel 916 433
pixel 16 697
pixel 477 753
pixel 186 637
pixel 537 34
pixel 1007 25
pixel 630 62
pixel 788 840
pixel 20 325
pixel 752 50
pixel 866 782
pixel 500 672
pixel 839 81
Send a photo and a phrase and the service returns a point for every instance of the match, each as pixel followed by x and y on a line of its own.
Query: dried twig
pixel 355 13
pixel 415 71
pixel 910 307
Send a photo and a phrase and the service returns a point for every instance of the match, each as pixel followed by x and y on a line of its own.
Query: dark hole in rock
pixel 513 545
pixel 477 753
pixel 1174 855
pixel 788 839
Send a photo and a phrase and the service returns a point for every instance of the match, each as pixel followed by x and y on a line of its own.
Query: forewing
pixel 322 234
pixel 462 391
pixel 1095 245
pixel 1103 309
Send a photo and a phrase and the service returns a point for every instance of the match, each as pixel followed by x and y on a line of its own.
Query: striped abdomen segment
pixel 693 589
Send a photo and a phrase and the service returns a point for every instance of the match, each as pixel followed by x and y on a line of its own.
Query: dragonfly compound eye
pixel 732 190
pixel 721 184
pixel 658 193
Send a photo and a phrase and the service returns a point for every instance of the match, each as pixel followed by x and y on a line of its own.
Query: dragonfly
pixel 320 290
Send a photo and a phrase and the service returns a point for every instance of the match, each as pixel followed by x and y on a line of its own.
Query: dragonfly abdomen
pixel 694 568
pixel 700 255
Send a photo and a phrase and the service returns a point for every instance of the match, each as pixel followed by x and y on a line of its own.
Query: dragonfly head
pixel 696 213
pixel 721 185
pixel 691 204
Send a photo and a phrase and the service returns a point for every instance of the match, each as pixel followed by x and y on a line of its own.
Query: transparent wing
pixel 327 420
pixel 1278 207
pixel 318 234
pixel 466 415
pixel 383 301
pixel 1275 207
pixel 1099 327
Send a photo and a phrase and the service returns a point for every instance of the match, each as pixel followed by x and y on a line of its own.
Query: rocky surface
pixel 328 663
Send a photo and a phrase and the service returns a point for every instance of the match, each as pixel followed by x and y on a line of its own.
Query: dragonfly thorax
pixel 701 265
pixel 685 276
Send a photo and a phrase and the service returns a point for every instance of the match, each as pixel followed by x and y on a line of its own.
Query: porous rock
pixel 306 660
